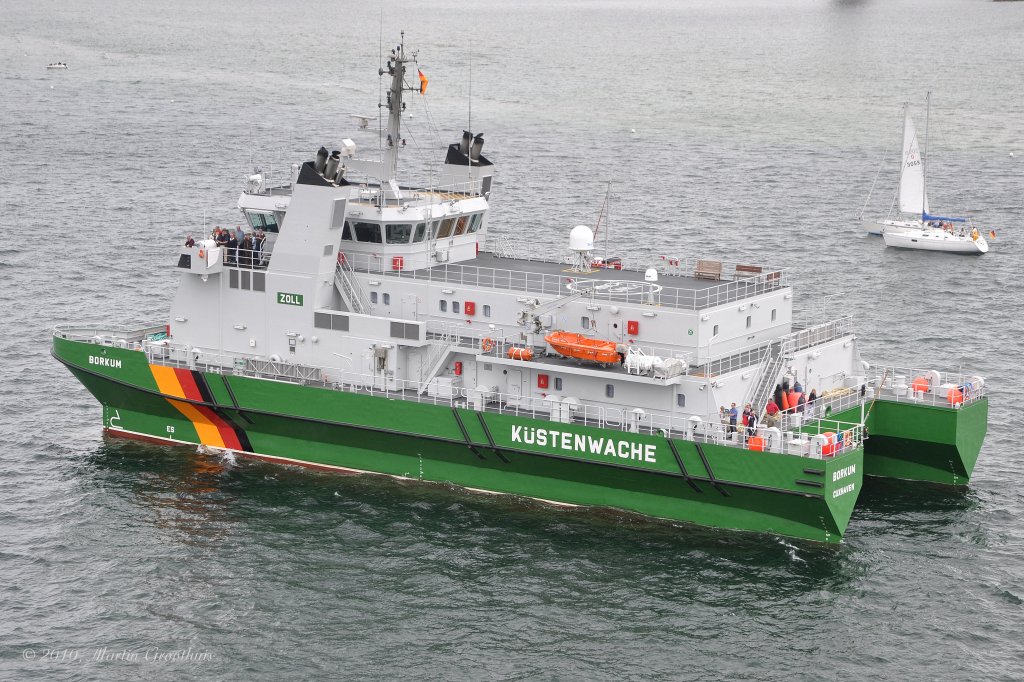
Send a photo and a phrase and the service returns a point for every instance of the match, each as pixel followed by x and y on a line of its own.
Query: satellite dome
pixel 581 238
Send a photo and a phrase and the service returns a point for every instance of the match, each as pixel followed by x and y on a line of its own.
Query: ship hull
pixel 706 484
pixel 923 442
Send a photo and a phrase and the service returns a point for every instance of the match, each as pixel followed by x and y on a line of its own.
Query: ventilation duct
pixel 321 160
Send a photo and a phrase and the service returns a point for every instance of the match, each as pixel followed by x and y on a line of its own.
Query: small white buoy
pixel 51 87
pixel 1011 153
pixel 172 101
pixel 632 130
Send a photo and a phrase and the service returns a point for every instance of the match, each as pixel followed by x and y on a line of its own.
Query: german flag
pixel 212 426
pixel 423 82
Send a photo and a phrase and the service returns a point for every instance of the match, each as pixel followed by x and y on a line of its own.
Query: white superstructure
pixel 376 283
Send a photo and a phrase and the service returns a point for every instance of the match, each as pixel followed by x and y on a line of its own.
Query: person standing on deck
pixel 222 241
pixel 257 247
pixel 232 243
pixel 734 416
pixel 245 253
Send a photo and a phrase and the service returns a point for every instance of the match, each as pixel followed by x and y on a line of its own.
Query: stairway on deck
pixel 351 291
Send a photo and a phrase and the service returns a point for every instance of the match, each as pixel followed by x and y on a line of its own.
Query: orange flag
pixel 423 82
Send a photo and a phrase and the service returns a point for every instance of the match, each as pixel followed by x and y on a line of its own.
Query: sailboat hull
pixel 935 240
pixel 879 227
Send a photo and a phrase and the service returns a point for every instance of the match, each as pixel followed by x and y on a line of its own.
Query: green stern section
pixel 922 442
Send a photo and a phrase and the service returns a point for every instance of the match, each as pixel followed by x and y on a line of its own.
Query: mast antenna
pixel 380 88
pixel 603 213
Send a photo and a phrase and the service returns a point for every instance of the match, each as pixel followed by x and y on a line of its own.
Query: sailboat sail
pixel 912 192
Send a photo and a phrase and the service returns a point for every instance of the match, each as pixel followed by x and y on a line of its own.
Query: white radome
pixel 581 238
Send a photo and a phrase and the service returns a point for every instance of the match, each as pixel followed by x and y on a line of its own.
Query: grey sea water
pixel 741 129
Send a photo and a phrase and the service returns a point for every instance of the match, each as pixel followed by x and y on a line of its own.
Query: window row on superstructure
pixel 405 233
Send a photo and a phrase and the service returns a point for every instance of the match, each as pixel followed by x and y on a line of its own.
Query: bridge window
pixel 443 305
pixel 446 228
pixel 367 232
pixel 474 222
pixel 460 225
pixel 558 383
pixel 681 399
pixel 421 230
pixel 455 307
pixel 262 221
pixel 373 297
pixel 433 230
pixel 387 299
pixel 487 310
pixel 399 233
pixel 346 233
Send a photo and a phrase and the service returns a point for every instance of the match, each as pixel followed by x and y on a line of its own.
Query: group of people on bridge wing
pixel 785 399
pixel 241 248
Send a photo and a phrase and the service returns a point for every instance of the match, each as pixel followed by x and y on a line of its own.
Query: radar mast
pixel 396 68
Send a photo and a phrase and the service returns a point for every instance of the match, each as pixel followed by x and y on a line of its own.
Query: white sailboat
pixel 909 224
pixel 936 233
pixel 911 199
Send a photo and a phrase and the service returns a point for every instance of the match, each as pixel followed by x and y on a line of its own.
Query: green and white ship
pixel 376 332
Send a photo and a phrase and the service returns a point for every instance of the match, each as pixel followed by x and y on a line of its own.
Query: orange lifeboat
pixel 581 347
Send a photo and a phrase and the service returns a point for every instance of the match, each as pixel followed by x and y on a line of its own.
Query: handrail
pixel 547 284
pixel 350 286
pixel 551 408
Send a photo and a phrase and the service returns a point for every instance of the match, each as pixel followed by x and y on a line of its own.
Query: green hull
pixel 922 442
pixel 707 484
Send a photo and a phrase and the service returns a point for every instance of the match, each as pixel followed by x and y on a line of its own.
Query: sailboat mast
pixel 924 157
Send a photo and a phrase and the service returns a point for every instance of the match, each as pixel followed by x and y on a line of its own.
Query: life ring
pixel 202 254
pixel 487 344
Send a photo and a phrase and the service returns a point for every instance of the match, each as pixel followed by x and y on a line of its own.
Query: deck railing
pixel 892 385
pixel 549 408
pixel 546 284
pixel 943 388
pixel 818 334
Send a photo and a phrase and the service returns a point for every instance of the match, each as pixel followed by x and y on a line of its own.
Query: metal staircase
pixel 436 355
pixel 348 285
pixel 769 371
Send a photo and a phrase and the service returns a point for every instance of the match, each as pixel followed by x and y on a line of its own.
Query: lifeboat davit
pixel 581 347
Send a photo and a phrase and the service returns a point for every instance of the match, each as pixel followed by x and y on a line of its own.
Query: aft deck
pixel 688 285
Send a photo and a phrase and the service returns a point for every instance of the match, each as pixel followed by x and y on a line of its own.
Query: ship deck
pixel 691 286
